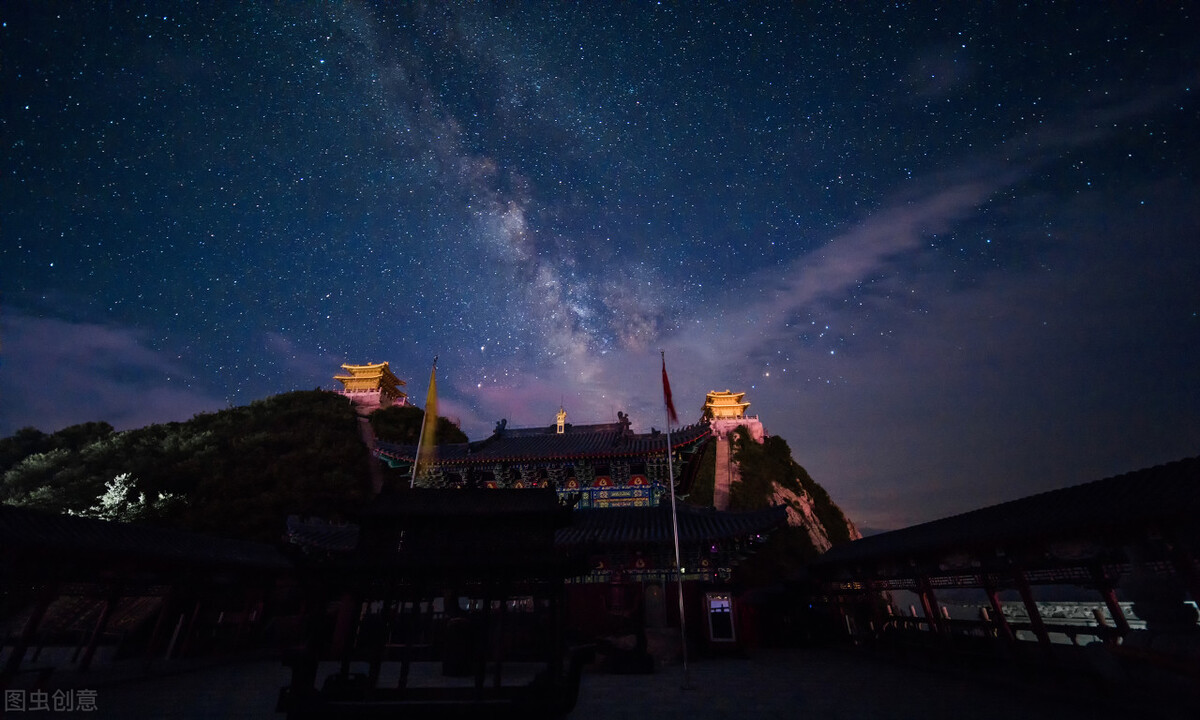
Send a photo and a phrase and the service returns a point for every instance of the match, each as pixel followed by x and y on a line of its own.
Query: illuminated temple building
pixel 725 412
pixel 616 481
pixel 600 469
pixel 725 404
pixel 603 465
pixel 371 387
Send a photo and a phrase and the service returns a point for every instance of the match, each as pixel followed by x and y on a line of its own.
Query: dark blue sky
pixel 949 254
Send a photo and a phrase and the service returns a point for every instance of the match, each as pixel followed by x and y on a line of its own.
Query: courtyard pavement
pixel 828 683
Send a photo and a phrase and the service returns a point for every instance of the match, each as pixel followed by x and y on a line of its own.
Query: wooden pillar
pixel 558 610
pixel 1035 617
pixel 110 603
pixel 498 633
pixel 45 596
pixel 387 617
pixel 251 601
pixel 160 624
pixel 929 604
pixel 1106 587
pixel 189 630
pixel 1001 622
pixel 479 637
pixel 1114 609
pixel 304 659
pixel 410 630
pixel 875 597
pixel 1185 568
pixel 343 630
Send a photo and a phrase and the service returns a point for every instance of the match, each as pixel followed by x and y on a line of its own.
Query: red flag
pixel 667 395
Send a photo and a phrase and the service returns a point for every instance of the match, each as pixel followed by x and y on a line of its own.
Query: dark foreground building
pixel 468 590
pixel 449 602
pixel 1130 543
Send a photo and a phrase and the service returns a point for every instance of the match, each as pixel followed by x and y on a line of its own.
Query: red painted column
pixel 1035 618
pixel 1001 621
pixel 343 631
pixel 875 597
pixel 929 604
pixel 1114 609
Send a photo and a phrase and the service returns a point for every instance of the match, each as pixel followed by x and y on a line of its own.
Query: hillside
pixel 240 471
pixel 237 472
pixel 770 476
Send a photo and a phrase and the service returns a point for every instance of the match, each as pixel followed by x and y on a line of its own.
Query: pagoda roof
pixel 432 533
pixel 600 527
pixel 723 401
pixel 375 370
pixel 437 506
pixel 368 366
pixel 608 440
pixel 652 525
pixel 457 504
pixel 1161 497
pixel 49 535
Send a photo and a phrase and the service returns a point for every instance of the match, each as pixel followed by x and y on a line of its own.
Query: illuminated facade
pixel 371 387
pixel 723 404
pixel 726 412
pixel 604 465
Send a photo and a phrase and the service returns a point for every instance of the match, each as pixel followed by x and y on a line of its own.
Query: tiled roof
pixel 436 532
pixel 1164 496
pixel 592 527
pixel 77 613
pixel 456 504
pixel 541 444
pixel 652 525
pixel 317 534
pixel 440 507
pixel 42 533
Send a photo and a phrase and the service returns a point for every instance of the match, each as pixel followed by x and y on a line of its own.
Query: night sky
pixel 950 255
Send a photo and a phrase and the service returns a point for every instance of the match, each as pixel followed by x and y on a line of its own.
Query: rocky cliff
pixel 802 514
pixel 766 474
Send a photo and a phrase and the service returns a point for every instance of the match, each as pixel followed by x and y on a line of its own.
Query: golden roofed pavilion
pixel 372 385
pixel 724 404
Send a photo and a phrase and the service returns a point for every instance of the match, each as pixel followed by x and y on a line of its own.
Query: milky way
pixel 948 254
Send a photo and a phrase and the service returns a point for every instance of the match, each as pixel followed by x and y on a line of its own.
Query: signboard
pixel 612 497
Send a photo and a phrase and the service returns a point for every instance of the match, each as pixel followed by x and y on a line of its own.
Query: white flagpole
pixel 412 481
pixel 675 533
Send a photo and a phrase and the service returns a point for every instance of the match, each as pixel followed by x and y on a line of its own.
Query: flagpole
pixel 670 410
pixel 412 481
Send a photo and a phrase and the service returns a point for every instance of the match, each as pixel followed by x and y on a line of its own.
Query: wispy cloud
pixel 57 373
pixel 302 363
pixel 877 244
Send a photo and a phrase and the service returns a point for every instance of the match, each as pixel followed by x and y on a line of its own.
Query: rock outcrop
pixel 801 513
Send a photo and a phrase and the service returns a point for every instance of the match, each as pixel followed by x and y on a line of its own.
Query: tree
pixel 401 424
pixel 241 470
pixel 121 502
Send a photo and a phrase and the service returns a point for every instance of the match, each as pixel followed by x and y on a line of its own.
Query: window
pixel 720 617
